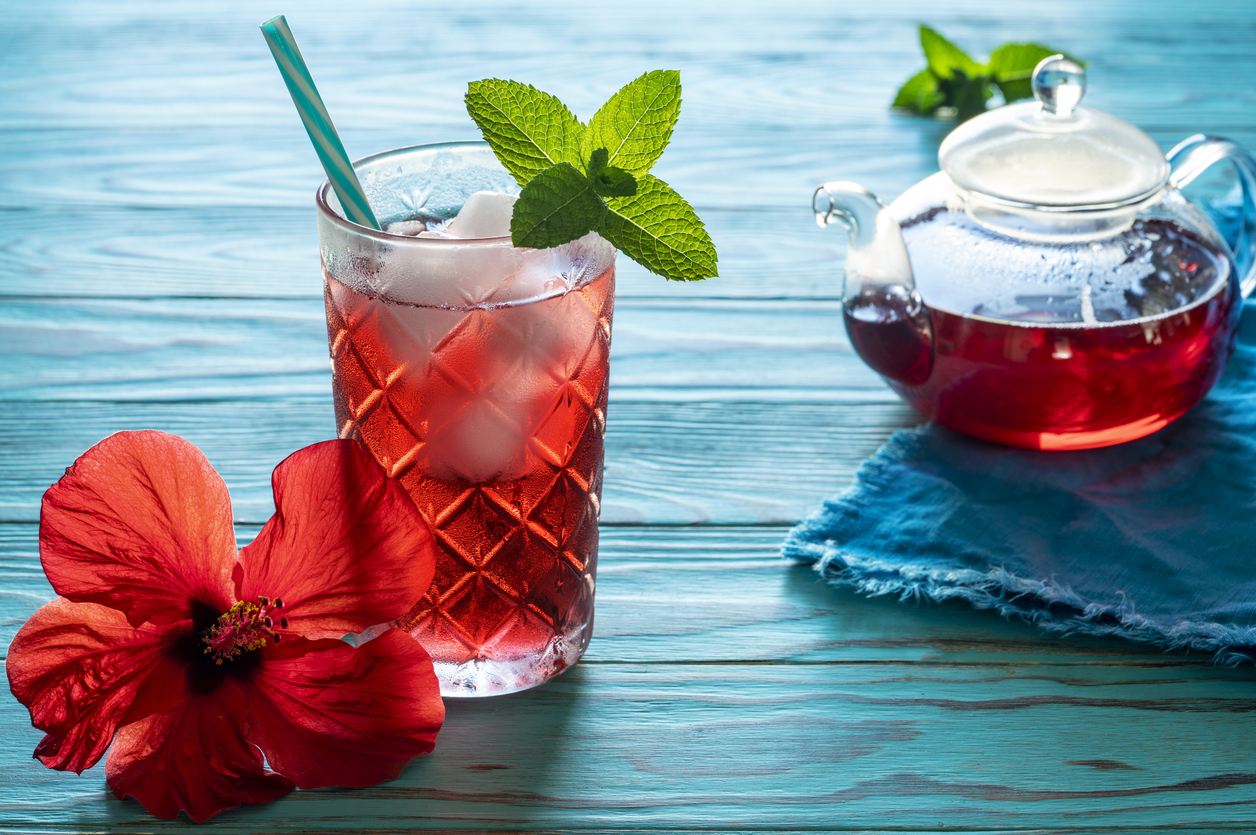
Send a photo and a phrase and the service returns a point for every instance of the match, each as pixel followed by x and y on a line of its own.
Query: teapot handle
pixel 1195 154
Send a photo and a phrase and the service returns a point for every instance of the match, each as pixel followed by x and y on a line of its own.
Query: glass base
pixel 496 677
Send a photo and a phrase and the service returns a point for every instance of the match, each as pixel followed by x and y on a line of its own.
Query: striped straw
pixel 317 123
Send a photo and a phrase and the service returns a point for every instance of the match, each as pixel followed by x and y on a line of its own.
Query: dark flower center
pixel 220 644
pixel 243 627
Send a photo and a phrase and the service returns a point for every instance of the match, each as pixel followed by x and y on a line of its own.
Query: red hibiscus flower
pixel 200 659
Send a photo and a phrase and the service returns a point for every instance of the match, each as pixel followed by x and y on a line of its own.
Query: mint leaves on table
pixel 954 80
pixel 579 178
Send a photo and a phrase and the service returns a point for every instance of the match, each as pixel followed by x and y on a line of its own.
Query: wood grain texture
pixel 263 253
pixel 171 163
pixel 269 349
pixel 722 595
pixel 788 747
pixel 723 685
pixel 676 463
pixel 158 269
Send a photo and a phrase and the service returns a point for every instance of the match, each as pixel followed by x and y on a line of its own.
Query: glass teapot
pixel 1050 287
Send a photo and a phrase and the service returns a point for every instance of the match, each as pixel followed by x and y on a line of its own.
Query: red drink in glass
pixel 477 374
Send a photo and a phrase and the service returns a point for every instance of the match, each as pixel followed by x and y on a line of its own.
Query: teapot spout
pixel 888 323
pixel 877 254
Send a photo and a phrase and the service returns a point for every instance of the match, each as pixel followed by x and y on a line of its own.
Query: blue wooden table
pixel 158 268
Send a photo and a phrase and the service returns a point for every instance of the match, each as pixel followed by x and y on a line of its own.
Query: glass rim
pixel 321 204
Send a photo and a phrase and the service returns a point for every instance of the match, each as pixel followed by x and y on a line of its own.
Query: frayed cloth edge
pixel 1050 606
pixel 1055 608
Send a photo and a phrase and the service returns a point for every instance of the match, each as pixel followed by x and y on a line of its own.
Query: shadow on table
pixel 491 766
pixel 494 757
pixel 949 632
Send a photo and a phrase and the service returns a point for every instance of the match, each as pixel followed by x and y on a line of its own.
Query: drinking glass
pixel 476 374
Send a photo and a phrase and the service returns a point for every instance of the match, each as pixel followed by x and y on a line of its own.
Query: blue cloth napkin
pixel 1152 540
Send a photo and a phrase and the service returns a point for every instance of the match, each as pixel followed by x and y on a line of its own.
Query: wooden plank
pixel 272 253
pixel 195 116
pixel 250 253
pixel 189 349
pixel 725 688
pixel 216 138
pixel 722 595
pixel 559 45
pixel 679 463
pixel 771 747
pixel 160 170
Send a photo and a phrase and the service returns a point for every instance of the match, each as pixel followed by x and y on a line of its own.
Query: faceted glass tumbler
pixel 476 373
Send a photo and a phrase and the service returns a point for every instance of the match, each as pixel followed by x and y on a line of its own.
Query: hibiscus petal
pixel 346 548
pixel 327 714
pixel 82 670
pixel 193 758
pixel 140 523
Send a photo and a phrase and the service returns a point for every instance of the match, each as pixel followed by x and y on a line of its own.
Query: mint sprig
pixel 954 80
pixel 528 130
pixel 578 179
pixel 636 124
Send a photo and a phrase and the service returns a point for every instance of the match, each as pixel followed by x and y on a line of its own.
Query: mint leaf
pixel 597 161
pixel 1012 66
pixel 1017 59
pixel 636 124
pixel 954 80
pixel 528 130
pixel 556 206
pixel 576 181
pixel 614 182
pixel 608 180
pixel 967 95
pixel 945 57
pixel 920 93
pixel 660 231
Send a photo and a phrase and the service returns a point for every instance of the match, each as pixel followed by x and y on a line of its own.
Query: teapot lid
pixel 1051 154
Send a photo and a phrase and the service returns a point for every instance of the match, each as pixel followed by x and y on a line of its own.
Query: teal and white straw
pixel 331 152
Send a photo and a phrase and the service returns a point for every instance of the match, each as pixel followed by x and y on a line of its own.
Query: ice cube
pixel 449 273
pixel 480 443
pixel 539 273
pixel 545 272
pixel 497 382
pixel 421 225
pixel 409 228
pixel 486 214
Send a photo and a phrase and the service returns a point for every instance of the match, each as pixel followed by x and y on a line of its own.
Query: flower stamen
pixel 242 628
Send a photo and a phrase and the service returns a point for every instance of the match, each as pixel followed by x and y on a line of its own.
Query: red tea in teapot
pixel 1030 352
pixel 890 330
